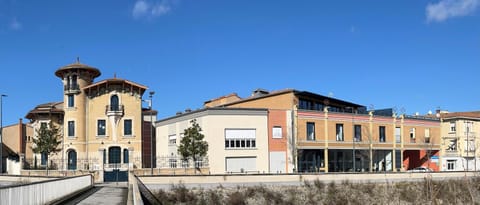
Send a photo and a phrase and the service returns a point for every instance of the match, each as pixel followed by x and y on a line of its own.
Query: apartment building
pixel 459 141
pixel 237 140
pixel 325 134
pixel 14 146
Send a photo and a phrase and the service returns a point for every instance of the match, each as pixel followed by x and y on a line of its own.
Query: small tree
pixel 193 144
pixel 46 142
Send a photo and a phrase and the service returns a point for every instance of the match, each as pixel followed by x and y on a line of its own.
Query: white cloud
pixel 151 9
pixel 445 9
pixel 15 24
pixel 140 9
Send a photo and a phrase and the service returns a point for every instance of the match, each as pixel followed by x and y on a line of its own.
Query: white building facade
pixel 237 139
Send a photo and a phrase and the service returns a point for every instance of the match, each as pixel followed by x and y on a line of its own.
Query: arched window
pixel 72 160
pixel 114 105
pixel 125 156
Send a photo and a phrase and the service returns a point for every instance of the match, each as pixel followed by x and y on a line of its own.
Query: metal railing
pixel 57 164
pixel 72 88
pixel 177 162
pixel 114 109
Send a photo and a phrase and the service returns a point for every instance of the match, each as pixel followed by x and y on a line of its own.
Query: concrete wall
pixel 44 192
pixel 156 182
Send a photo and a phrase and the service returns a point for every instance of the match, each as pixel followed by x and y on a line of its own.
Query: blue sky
pixel 415 54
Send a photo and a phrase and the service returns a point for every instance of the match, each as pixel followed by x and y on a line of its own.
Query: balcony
pixel 114 110
pixel 71 89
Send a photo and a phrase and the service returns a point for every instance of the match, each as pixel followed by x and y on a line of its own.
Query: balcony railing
pixel 114 110
pixel 72 88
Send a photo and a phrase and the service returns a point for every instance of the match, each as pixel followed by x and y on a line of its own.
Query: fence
pixel 178 162
pixel 57 164
pixel 45 192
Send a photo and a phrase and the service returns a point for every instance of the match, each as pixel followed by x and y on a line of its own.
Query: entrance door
pixel 72 160
pixel 114 174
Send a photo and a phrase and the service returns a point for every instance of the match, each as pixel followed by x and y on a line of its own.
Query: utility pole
pixel 1 133
pixel 151 132
pixel 468 143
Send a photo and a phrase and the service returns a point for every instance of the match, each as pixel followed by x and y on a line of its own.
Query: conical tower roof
pixel 77 66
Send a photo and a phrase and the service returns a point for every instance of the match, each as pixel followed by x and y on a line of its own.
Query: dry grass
pixel 462 191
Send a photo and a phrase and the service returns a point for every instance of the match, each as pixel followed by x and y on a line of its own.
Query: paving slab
pixel 107 193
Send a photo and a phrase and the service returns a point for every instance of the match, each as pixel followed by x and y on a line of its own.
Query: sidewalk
pixel 108 193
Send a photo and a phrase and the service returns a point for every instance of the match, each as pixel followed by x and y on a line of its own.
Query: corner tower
pixel 75 77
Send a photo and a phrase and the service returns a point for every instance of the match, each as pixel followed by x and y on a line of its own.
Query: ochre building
pixel 314 133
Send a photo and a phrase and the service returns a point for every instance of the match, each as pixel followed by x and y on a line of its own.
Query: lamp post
pixel 467 129
pixel 1 133
pixel 151 132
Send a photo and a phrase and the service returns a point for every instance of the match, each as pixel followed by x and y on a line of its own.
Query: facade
pixel 459 141
pixel 43 115
pixel 237 140
pixel 324 134
pixel 14 146
pixel 101 123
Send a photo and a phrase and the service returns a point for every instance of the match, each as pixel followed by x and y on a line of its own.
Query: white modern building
pixel 237 139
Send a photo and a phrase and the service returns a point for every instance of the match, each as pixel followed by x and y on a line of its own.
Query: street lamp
pixel 1 133
pixel 151 132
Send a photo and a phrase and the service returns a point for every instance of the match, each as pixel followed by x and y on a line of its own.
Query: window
pixel 172 139
pixel 358 133
pixel 114 154
pixel 277 132
pixel 339 132
pixel 74 82
pixel 398 135
pixel 71 128
pixel 453 127
pixel 310 131
pixel 240 138
pixel 451 165
pixel 43 125
pixel 101 127
pixel 125 156
pixel 427 135
pixel 305 104
pixel 114 105
pixel 71 101
pixel 469 145
pixel 381 131
pixel 452 145
pixel 412 134
pixel 127 127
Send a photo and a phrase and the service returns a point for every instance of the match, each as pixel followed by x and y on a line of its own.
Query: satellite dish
pixel 429 112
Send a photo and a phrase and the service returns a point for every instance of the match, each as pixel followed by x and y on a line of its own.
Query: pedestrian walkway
pixel 106 193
